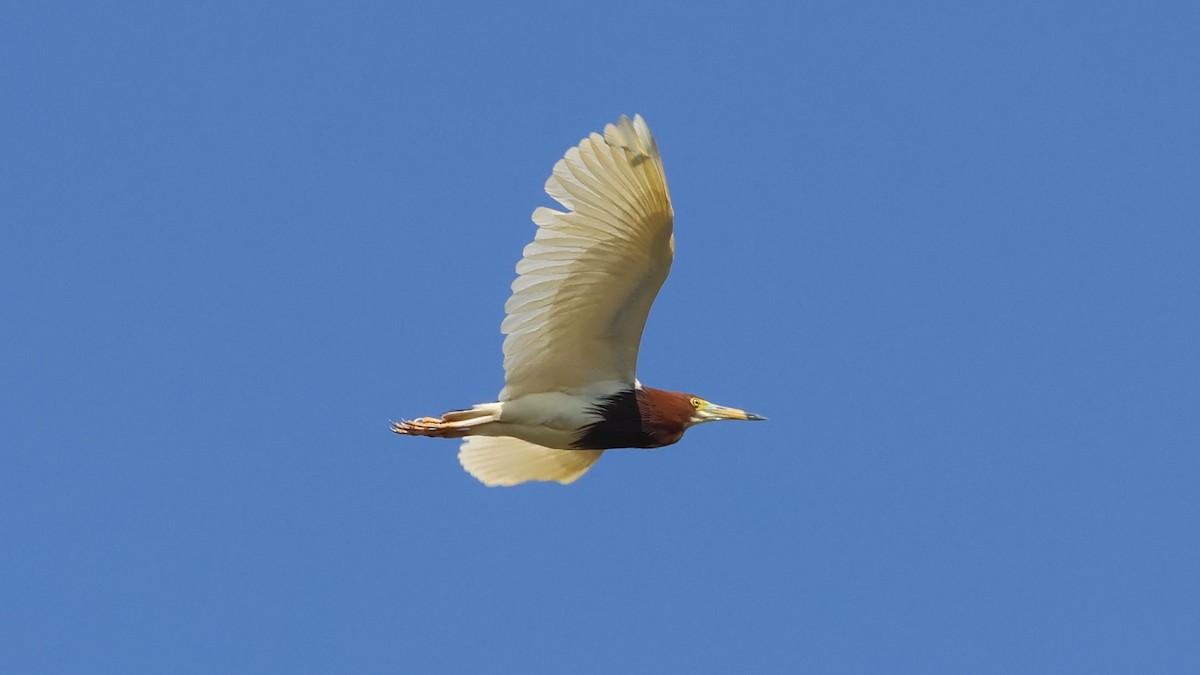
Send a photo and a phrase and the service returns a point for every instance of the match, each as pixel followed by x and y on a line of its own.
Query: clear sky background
pixel 951 251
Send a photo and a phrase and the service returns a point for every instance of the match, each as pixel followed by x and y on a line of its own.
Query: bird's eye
pixel 696 403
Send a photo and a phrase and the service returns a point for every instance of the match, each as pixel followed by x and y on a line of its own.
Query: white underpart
pixel 551 419
pixel 579 304
pixel 531 437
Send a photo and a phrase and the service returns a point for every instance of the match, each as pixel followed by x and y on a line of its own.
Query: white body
pixel 549 419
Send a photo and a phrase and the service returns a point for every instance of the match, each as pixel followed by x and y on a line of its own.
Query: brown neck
pixel 637 418
pixel 665 414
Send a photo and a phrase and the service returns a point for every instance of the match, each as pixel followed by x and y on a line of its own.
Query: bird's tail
pixel 454 424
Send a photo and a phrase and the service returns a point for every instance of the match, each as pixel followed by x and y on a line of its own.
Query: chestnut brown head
pixel 665 415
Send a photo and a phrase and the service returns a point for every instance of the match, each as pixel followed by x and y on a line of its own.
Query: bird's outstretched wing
pixel 586 282
pixel 511 461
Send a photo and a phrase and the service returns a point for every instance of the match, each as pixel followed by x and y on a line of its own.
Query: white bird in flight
pixel 574 325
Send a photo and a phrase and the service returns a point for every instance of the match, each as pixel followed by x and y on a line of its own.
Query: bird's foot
pixel 428 426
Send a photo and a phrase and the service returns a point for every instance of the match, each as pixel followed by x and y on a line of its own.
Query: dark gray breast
pixel 641 418
pixel 620 425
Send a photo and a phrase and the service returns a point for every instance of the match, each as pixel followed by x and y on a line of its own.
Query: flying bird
pixel 574 324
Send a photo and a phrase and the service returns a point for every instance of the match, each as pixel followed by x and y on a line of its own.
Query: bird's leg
pixel 454 424
pixel 437 428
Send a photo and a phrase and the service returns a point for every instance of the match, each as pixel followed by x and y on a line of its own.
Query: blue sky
pixel 951 251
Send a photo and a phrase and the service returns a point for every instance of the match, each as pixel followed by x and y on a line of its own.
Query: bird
pixel 574 325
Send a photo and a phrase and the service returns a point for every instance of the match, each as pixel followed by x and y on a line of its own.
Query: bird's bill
pixel 713 412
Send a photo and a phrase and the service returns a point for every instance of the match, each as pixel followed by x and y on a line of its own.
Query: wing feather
pixel 586 283
pixel 510 461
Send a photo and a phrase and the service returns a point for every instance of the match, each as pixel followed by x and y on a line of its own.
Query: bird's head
pixel 667 414
pixel 703 411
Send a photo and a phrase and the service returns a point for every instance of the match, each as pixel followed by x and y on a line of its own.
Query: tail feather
pixel 500 460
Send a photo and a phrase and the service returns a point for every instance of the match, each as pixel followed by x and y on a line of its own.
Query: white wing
pixel 586 283
pixel 510 461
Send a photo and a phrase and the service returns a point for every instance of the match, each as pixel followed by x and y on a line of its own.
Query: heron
pixel 574 324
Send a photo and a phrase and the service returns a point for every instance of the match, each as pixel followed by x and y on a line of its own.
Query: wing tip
pixel 632 135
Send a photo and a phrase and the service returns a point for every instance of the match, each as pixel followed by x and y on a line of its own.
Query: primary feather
pixel 586 282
